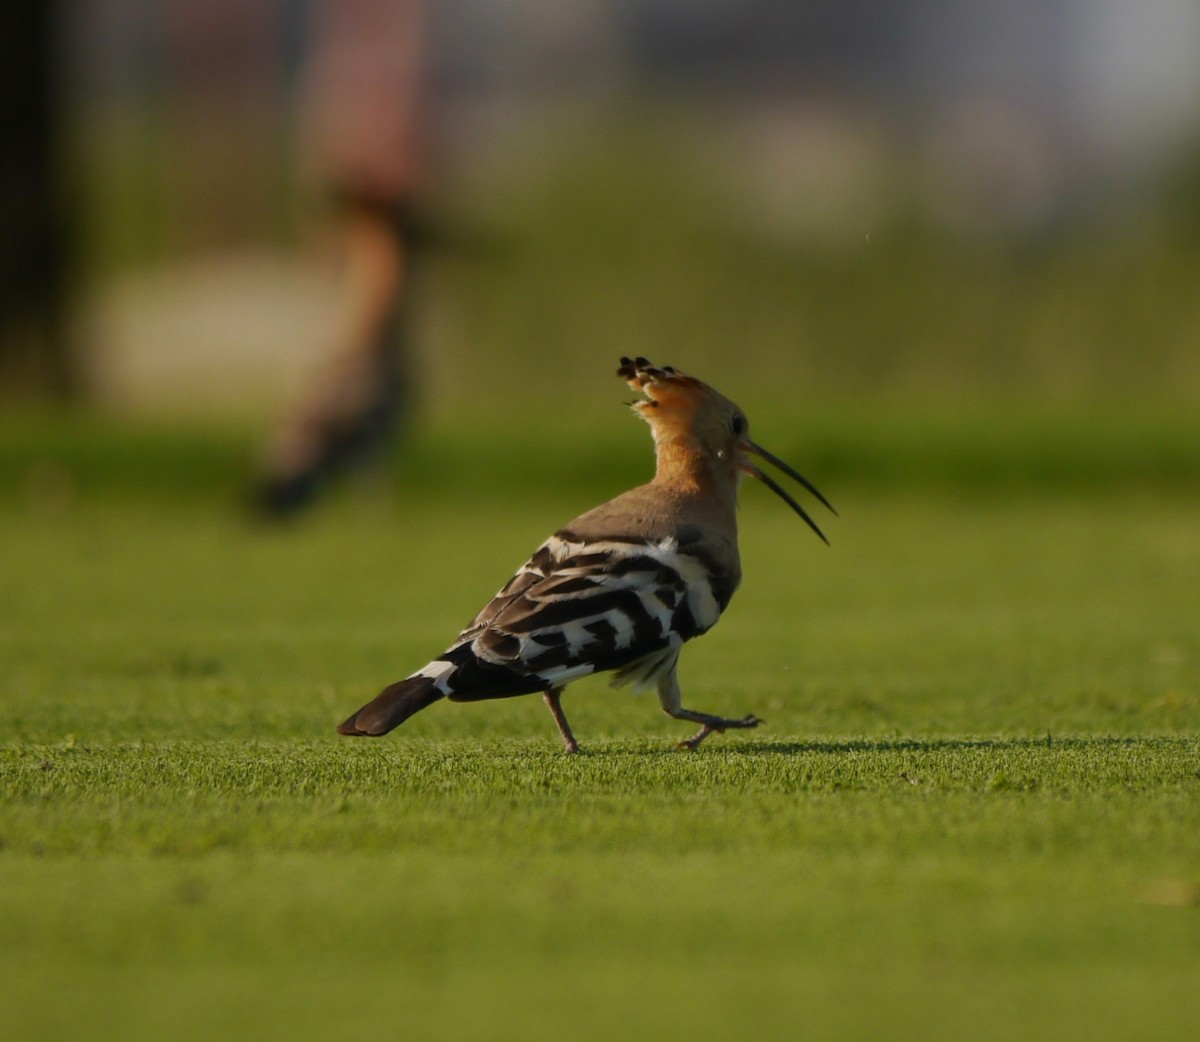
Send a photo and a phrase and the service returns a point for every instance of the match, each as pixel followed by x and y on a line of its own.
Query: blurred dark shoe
pixel 346 423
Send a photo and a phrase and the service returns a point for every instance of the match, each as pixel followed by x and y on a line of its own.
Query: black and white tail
pixel 392 706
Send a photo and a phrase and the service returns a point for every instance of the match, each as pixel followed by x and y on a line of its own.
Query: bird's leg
pixel 553 700
pixel 670 699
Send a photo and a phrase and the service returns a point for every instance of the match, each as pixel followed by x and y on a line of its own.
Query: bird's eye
pixel 737 425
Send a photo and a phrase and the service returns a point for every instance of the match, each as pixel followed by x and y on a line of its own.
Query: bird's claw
pixel 719 726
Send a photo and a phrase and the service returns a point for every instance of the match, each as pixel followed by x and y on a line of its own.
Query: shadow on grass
pixel 929 745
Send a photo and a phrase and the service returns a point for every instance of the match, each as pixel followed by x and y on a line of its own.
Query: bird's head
pixel 696 429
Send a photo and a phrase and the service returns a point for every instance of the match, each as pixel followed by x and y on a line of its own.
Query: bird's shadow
pixel 929 745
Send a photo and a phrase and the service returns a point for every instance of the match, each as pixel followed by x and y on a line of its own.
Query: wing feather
pixel 578 607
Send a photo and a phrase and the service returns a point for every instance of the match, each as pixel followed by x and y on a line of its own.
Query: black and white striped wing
pixel 579 607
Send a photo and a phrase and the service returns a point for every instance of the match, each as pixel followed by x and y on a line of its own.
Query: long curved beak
pixel 747 467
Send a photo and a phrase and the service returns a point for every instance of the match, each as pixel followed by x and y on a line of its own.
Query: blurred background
pixel 827 208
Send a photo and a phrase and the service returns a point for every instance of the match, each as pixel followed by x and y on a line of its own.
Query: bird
pixel 622 587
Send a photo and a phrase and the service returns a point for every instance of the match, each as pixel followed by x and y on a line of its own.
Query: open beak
pixel 746 445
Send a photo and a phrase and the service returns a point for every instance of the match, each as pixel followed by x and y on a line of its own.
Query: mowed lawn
pixel 974 812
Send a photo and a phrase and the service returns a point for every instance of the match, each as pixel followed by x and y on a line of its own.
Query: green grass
pixel 975 812
pixel 993 448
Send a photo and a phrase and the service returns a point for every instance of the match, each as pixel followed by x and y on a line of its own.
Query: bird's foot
pixel 719 725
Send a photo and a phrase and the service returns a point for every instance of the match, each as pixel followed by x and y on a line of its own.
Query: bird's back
pixel 635 576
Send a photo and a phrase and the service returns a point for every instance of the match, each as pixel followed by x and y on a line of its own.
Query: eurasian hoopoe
pixel 621 587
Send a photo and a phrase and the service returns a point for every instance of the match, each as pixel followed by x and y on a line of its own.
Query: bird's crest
pixel 671 399
pixel 666 385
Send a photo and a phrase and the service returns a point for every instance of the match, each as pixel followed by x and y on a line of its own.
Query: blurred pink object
pixel 367 97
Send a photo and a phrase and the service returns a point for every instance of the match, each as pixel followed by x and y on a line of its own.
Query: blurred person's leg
pixel 356 398
pixel 367 135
